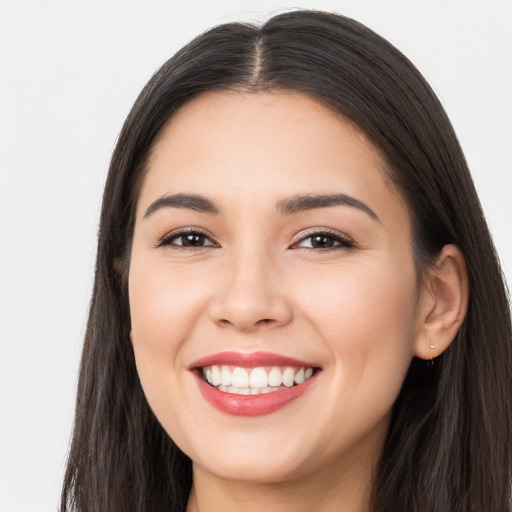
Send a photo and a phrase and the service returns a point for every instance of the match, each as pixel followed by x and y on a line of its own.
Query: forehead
pixel 260 145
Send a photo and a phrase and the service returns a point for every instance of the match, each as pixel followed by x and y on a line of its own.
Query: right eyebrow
pixel 298 204
pixel 194 202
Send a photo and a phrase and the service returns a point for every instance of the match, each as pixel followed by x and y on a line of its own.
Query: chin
pixel 261 459
pixel 260 470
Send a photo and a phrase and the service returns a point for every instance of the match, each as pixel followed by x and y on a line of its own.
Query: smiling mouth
pixel 238 380
pixel 252 384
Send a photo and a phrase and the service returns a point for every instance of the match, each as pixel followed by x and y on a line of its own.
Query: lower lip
pixel 252 405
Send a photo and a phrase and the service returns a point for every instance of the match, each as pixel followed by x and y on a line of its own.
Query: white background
pixel 69 73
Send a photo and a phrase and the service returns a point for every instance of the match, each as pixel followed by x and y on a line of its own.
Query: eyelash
pixel 339 240
pixel 168 240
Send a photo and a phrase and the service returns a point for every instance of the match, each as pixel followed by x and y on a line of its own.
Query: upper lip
pixel 250 360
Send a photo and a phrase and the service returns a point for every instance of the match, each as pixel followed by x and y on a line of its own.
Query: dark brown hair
pixel 448 447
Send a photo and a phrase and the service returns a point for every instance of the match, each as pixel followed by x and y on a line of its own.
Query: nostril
pixel 250 311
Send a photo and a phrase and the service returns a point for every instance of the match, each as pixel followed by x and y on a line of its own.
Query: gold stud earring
pixel 432 347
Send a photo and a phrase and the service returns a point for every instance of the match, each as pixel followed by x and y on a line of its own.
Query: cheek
pixel 164 307
pixel 367 318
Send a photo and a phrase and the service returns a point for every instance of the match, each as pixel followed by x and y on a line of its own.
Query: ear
pixel 443 303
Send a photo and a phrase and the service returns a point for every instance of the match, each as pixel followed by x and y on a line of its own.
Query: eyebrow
pixel 287 206
pixel 189 201
pixel 298 204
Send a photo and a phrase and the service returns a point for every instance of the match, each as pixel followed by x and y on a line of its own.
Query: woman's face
pixel 271 255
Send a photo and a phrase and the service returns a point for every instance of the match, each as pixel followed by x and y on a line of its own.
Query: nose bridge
pixel 249 295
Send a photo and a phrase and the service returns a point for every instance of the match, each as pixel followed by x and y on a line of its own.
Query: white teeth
pixel 288 377
pixel 259 378
pixel 247 391
pixel 226 376
pixel 275 377
pixel 255 381
pixel 216 376
pixel 300 377
pixel 240 378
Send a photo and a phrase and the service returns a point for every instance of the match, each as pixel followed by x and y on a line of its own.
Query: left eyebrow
pixel 298 204
pixel 194 202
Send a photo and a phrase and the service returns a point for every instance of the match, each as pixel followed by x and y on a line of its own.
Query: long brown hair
pixel 448 447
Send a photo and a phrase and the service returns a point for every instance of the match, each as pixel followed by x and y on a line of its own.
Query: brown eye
pixel 192 239
pixel 325 241
pixel 322 242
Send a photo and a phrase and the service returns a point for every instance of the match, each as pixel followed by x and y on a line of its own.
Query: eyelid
pixel 345 241
pixel 167 239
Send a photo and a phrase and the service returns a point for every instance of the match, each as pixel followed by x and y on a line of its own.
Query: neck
pixel 329 490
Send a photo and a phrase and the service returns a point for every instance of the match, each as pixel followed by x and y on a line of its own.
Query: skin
pixel 257 284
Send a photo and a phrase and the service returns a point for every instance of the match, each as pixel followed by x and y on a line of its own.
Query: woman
pixel 297 303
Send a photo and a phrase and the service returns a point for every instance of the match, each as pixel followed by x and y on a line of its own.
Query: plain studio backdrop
pixel 69 73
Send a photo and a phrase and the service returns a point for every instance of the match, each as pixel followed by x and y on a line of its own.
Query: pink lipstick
pixel 252 384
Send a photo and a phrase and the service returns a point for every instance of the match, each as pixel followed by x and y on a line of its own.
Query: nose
pixel 250 295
